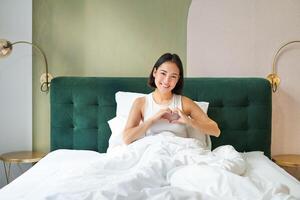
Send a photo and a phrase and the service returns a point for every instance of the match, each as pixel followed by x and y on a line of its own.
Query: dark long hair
pixel 168 57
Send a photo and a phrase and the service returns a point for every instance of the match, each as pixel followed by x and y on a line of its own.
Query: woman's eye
pixel 162 73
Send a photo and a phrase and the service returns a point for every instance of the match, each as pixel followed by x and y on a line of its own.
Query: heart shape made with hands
pixel 171 116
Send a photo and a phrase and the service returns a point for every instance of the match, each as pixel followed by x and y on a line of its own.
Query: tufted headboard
pixel 81 107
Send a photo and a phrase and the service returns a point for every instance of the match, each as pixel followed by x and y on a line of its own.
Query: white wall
pixel 16 80
pixel 240 38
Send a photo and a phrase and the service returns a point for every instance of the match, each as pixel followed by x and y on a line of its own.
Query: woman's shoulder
pixel 186 99
pixel 140 100
pixel 187 104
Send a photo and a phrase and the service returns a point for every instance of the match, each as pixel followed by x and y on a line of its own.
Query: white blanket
pixel 156 167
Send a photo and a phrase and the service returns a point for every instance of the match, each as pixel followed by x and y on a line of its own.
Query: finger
pixel 168 110
pixel 164 119
pixel 179 112
pixel 163 111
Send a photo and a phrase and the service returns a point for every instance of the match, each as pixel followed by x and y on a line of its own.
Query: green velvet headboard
pixel 81 107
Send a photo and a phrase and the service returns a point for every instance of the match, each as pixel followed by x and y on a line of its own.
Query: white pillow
pixel 194 133
pixel 117 126
pixel 124 102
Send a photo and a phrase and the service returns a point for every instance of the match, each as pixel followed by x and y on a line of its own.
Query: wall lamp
pixel 273 77
pixel 6 48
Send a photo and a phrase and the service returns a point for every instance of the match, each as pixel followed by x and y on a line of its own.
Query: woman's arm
pixel 134 129
pixel 198 119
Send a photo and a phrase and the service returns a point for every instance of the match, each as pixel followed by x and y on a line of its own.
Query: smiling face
pixel 166 77
pixel 167 74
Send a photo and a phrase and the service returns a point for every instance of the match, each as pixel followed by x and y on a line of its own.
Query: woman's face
pixel 166 77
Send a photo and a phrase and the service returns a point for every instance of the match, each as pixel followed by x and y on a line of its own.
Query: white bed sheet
pixel 262 167
pixel 66 174
pixel 263 179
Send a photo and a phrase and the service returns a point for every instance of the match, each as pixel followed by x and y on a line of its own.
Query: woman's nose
pixel 167 79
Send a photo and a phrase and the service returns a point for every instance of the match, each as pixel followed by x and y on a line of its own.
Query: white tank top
pixel 151 108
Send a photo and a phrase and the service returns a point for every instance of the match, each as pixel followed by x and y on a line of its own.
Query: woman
pixel 165 109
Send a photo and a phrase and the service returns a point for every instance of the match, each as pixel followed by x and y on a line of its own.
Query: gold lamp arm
pixel 6 48
pixel 273 77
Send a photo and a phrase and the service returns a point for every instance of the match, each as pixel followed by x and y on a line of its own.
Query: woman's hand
pixel 161 114
pixel 183 118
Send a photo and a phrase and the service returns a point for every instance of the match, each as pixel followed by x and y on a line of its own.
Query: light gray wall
pixel 16 80
pixel 240 38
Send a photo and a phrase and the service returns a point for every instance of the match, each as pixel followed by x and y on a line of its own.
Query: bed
pixel 78 166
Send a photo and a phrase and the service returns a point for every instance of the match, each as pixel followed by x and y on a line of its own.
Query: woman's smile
pixel 166 76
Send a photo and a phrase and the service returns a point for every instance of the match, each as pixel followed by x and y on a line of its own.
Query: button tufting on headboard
pixel 240 106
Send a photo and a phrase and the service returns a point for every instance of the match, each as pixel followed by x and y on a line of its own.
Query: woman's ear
pixel 154 72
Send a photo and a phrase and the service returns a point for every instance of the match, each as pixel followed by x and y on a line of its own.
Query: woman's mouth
pixel 165 86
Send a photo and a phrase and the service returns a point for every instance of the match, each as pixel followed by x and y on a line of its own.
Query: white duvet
pixel 156 167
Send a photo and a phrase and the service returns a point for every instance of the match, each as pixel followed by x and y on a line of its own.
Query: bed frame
pixel 81 107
